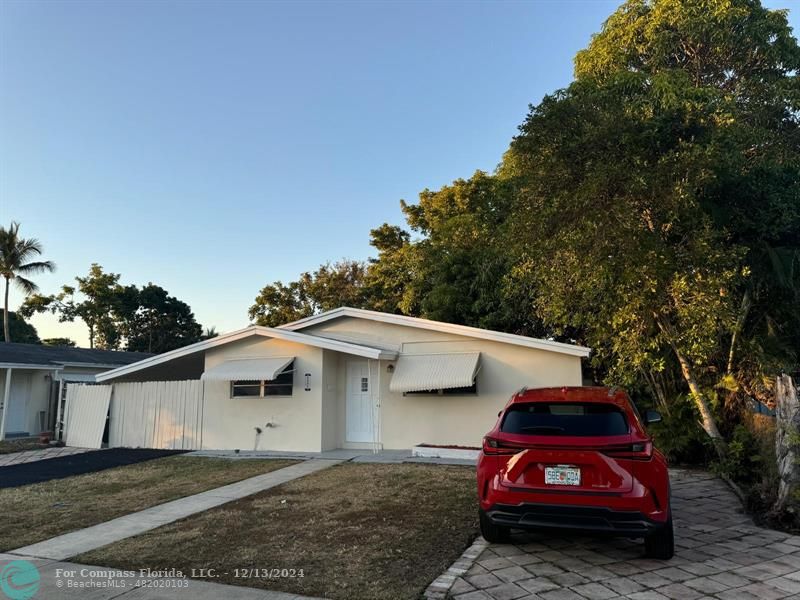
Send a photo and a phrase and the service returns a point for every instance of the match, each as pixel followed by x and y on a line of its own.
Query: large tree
pixel 332 285
pixel 22 332
pixel 93 301
pixel 121 316
pixel 653 183
pixel 16 264
pixel 463 266
pixel 158 322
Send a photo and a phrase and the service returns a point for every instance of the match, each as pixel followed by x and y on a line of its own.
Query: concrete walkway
pixel 357 456
pixel 84 540
pixel 73 581
pixel 720 554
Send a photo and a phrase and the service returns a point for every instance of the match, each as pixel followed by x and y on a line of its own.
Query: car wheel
pixel 496 534
pixel 661 544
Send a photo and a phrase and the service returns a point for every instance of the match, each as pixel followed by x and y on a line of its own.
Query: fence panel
pixel 87 409
pixel 157 414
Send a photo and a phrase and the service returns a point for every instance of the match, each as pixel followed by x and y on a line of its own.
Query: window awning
pixel 420 372
pixel 248 369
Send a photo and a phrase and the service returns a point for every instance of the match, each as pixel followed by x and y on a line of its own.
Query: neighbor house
pixel 32 378
pixel 347 378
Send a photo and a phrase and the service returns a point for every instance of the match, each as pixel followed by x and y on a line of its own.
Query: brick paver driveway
pixel 720 554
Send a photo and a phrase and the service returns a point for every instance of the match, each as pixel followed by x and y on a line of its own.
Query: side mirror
pixel 652 416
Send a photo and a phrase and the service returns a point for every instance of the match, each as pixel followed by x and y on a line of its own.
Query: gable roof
pixel 253 330
pixel 474 332
pixel 39 355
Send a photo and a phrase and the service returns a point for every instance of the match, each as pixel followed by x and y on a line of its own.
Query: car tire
pixel 661 544
pixel 496 534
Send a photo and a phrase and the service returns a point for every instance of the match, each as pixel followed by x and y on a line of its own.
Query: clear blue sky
pixel 213 147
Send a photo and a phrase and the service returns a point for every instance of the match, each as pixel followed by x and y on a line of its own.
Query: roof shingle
pixel 35 354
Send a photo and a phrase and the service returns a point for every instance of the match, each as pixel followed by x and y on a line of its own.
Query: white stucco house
pixel 32 379
pixel 349 378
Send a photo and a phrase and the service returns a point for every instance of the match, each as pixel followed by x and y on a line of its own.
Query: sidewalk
pixel 84 540
pixel 357 456
pixel 73 581
pixel 29 456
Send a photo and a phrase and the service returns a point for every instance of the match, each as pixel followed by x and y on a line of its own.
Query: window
pixel 280 386
pixel 364 384
pixel 458 391
pixel 559 418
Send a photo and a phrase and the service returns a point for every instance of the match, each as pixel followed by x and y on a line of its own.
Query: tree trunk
pixel 787 413
pixel 707 420
pixel 706 417
pixel 656 388
pixel 737 330
pixel 6 329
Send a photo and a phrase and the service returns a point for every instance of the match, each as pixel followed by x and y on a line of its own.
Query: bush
pixel 743 462
pixel 679 435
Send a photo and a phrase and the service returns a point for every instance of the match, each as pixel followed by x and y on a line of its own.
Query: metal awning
pixel 420 372
pixel 248 369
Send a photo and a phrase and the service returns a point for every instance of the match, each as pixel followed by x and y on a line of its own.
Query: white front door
pixel 19 399
pixel 358 407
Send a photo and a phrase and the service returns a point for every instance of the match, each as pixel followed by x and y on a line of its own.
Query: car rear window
pixel 559 418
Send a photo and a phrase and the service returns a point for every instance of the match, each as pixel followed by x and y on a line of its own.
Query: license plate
pixel 560 475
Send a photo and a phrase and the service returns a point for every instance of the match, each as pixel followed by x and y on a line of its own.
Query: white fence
pixel 152 414
pixel 85 419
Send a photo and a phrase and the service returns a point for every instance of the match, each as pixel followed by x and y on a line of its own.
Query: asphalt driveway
pixel 720 554
pixel 36 471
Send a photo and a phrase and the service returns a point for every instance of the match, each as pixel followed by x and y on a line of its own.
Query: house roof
pixel 37 355
pixel 474 332
pixel 253 330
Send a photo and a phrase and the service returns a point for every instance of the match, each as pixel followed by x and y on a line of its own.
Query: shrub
pixel 679 435
pixel 743 462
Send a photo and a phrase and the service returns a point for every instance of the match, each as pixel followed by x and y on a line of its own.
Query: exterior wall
pixel 229 423
pixel 179 369
pixel 30 387
pixel 460 420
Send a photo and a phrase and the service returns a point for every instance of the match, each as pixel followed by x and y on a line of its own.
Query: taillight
pixel 635 451
pixel 494 446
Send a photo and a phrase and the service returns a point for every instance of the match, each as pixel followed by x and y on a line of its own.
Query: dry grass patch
pixel 43 510
pixel 355 530
pixel 11 446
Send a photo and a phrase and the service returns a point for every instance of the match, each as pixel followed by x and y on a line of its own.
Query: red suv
pixel 575 458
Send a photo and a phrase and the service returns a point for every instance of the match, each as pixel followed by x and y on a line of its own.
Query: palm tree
pixel 210 333
pixel 15 263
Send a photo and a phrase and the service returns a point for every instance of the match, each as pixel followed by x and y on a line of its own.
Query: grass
pixel 43 510
pixel 20 445
pixel 381 532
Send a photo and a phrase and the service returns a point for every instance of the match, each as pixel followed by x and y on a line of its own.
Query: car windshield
pixel 560 418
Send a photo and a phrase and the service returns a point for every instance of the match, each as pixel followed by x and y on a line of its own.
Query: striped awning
pixel 248 369
pixel 421 372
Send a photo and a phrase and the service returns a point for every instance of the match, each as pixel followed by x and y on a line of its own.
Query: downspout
pixel 378 429
pixel 371 405
pixel 6 398
pixel 59 398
